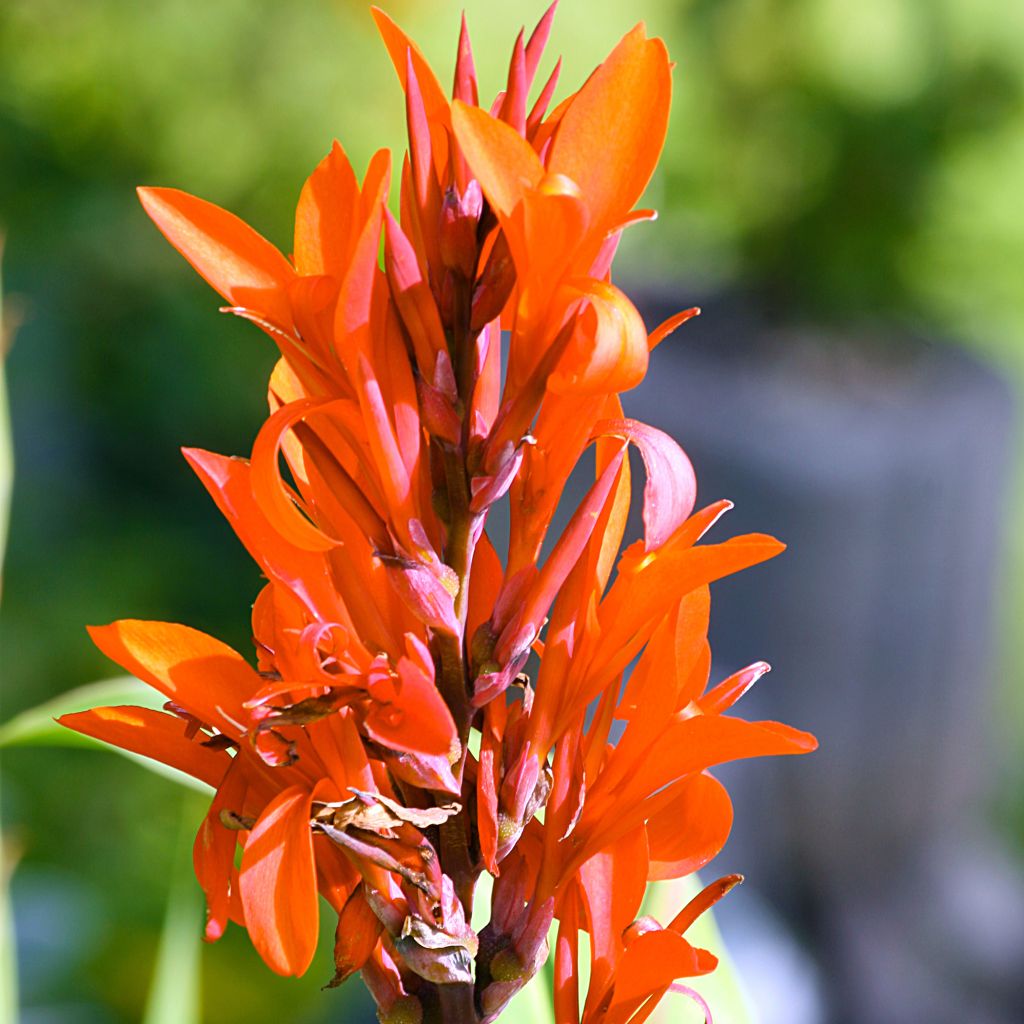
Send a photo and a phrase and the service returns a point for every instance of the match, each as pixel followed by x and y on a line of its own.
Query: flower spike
pixel 432 698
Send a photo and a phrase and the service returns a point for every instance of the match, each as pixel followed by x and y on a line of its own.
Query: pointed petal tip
pixel 96 633
pixel 154 197
pixel 197 458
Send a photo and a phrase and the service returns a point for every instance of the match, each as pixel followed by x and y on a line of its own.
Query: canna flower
pixel 385 749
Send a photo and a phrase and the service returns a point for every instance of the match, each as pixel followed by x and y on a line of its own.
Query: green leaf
pixel 6 447
pixel 37 726
pixel 8 949
pixel 174 995
pixel 8 954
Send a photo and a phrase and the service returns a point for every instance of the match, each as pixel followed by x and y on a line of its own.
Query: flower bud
pixel 460 217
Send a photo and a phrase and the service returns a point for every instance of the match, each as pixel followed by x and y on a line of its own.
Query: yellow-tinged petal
pixel 327 217
pixel 608 351
pixel 611 135
pixel 202 675
pixel 500 158
pixel 233 258
pixel 152 734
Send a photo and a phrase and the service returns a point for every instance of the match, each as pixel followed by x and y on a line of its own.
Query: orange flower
pixel 386 749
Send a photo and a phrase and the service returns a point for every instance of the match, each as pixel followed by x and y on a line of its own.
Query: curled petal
pixel 608 349
pixel 691 829
pixel 279 503
pixel 671 488
pixel 304 573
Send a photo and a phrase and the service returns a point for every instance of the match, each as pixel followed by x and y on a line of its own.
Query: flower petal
pixel 213 852
pixel 278 883
pixel 500 158
pixel 417 719
pixel 702 741
pixel 651 962
pixel 691 829
pixel 671 488
pixel 402 49
pixel 608 349
pixel 233 258
pixel 326 217
pixel 610 137
pixel 152 734
pixel 204 676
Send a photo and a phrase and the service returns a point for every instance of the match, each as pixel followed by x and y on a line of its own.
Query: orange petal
pixel 666 327
pixel 276 499
pixel 608 351
pixel 500 158
pixel 402 49
pixel 704 901
pixel 204 676
pixel 152 734
pixel 233 258
pixel 612 885
pixel 610 137
pixel 652 961
pixel 358 932
pixel 671 487
pixel 702 741
pixel 278 883
pixel 416 719
pixel 691 829
pixel 722 697
pixel 213 852
pixel 304 573
pixel 326 217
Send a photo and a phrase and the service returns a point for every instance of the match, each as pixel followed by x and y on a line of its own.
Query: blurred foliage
pixel 839 160
pixel 853 160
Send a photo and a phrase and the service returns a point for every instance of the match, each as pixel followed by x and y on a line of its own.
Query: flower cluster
pixel 388 748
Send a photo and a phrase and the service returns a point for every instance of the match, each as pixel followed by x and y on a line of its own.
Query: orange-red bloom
pixel 386 748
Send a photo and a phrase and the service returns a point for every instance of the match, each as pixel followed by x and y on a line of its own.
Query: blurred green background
pixel 847 162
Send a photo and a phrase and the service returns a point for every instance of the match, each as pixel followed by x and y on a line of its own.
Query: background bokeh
pixel 844 170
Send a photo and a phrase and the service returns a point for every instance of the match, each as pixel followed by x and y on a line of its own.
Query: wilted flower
pixel 386 750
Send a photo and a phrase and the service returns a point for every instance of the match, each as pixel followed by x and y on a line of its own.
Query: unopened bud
pixel 460 217
pixel 495 285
